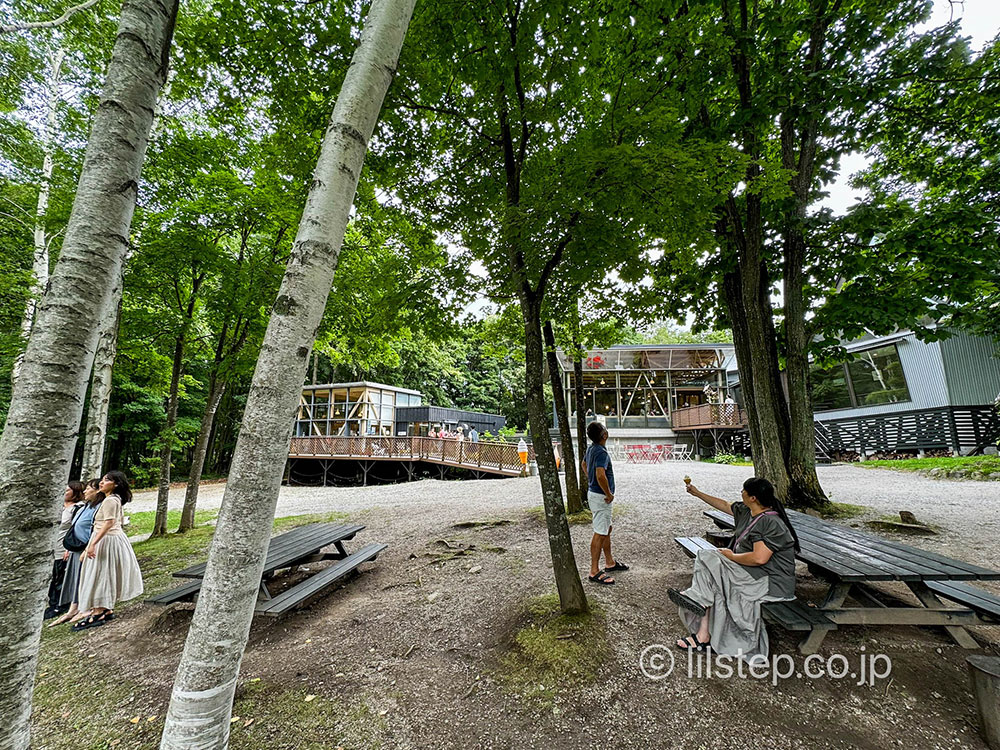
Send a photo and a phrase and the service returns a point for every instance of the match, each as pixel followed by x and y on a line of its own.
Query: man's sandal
pixel 617 567
pixel 601 579
pixel 691 643
pixel 686 602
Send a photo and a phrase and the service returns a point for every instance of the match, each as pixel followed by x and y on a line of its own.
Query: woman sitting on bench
pixel 721 609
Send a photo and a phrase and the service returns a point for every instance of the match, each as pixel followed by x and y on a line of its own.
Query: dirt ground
pixel 412 650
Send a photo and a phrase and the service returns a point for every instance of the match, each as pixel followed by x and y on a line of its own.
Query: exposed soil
pixel 418 642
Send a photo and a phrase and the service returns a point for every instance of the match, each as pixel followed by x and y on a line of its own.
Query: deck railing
pixel 708 416
pixel 495 456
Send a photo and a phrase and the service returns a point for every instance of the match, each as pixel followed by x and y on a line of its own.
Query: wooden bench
pixel 184 593
pixel 794 615
pixel 983 603
pixel 317 583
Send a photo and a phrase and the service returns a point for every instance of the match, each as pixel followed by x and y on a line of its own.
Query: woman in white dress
pixel 110 571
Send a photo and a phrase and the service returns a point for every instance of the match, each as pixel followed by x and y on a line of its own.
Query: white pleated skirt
pixel 111 576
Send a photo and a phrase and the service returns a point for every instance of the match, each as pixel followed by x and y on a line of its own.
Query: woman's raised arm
pixel 716 502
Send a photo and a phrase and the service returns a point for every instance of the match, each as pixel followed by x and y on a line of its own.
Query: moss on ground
pixel 840 511
pixel 552 652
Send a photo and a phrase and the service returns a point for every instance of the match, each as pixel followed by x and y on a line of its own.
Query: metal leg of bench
pixel 340 549
pixel 264 593
pixel 930 600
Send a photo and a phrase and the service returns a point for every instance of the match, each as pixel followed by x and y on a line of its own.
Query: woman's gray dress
pixel 734 592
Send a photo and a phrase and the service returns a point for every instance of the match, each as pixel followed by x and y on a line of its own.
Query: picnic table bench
pixel 300 546
pixel 848 559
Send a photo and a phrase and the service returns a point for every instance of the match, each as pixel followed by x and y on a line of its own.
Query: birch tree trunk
pixel 573 499
pixel 215 390
pixel 100 387
pixel 201 703
pixel 40 240
pixel 44 418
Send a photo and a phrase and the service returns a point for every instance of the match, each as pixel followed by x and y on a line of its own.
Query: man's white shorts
pixel 601 511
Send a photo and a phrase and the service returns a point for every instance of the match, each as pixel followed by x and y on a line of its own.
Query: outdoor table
pixel 299 546
pixel 847 559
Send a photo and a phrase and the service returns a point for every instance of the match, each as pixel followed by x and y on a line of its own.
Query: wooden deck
pixel 488 457
pixel 709 417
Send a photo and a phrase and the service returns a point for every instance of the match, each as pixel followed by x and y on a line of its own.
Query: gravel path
pixel 415 645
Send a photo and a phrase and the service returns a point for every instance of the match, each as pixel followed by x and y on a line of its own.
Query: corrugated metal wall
pixel 924 371
pixel 971 368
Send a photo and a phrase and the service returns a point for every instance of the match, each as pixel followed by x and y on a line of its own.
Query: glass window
pixel 321 397
pixel 388 397
pixel 320 411
pixel 877 377
pixel 387 413
pixel 829 389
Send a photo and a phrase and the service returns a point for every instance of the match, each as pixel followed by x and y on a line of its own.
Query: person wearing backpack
pixel 110 572
pixel 74 543
pixel 72 502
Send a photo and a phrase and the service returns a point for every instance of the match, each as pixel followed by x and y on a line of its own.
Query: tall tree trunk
pixel 202 698
pixel 581 416
pixel 40 238
pixel 805 491
pixel 167 436
pixel 44 418
pixel 100 386
pixel 215 390
pixel 573 500
pixel 572 599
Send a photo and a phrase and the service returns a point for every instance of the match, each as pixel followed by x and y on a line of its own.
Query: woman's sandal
pixel 617 567
pixel 691 643
pixel 95 620
pixel 601 579
pixel 686 602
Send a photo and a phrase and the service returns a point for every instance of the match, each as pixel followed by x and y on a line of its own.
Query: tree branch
pixel 49 24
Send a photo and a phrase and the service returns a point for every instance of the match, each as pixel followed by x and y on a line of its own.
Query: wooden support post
pixel 930 600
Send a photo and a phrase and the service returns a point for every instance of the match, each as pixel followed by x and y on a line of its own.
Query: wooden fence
pixel 497 457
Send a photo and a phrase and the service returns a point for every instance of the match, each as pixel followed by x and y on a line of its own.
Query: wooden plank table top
pixel 848 558
pixel 286 549
pixel 852 555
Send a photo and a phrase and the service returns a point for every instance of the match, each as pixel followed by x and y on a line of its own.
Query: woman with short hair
pixel 721 608
pixel 110 571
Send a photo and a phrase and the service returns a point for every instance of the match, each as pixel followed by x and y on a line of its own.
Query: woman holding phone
pixel 721 608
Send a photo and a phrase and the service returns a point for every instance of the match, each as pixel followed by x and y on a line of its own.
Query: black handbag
pixel 78 536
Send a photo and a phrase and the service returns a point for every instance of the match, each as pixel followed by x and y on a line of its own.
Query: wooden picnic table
pixel 299 546
pixel 847 559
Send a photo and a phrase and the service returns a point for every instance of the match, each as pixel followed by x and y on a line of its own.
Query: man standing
pixel 600 494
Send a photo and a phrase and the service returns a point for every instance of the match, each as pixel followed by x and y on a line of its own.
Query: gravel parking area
pixel 418 643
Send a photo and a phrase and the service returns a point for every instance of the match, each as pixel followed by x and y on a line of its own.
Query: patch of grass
pixel 578 519
pixel 284 718
pixel 986 464
pixel 80 704
pixel 141 522
pixel 552 651
pixel 839 511
pixel 162 555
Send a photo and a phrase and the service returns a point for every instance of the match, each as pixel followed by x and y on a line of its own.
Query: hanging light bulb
pixel 602 381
